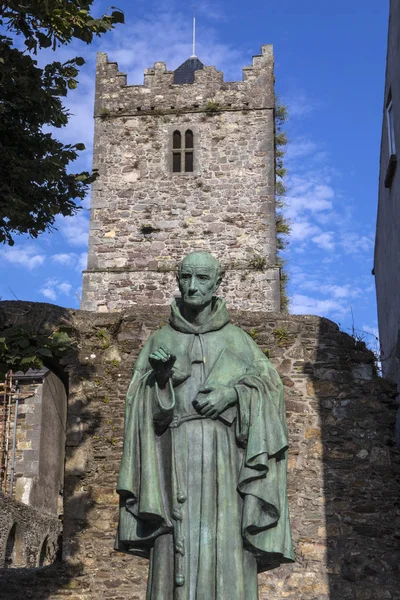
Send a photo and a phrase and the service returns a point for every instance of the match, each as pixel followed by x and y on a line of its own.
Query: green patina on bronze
pixel 203 475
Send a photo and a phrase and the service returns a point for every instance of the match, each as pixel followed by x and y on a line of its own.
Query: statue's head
pixel 199 276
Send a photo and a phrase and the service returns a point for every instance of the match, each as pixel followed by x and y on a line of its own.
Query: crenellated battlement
pixel 159 92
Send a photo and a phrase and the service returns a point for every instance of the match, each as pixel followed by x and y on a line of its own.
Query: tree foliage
pixel 22 348
pixel 35 182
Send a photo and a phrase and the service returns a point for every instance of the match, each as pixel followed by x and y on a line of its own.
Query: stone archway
pixel 15 551
pixel 10 545
pixel 45 554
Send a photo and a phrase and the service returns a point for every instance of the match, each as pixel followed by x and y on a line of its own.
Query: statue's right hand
pixel 162 361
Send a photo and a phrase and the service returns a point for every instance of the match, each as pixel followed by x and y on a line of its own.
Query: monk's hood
pixel 218 318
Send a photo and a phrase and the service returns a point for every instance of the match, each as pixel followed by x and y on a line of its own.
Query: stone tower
pixel 186 162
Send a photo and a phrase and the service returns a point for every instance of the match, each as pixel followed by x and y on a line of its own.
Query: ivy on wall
pixel 21 348
pixel 282 224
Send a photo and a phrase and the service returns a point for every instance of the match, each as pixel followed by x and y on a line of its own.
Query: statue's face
pixel 198 279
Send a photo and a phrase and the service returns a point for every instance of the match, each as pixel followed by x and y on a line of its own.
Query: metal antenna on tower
pixel 194 34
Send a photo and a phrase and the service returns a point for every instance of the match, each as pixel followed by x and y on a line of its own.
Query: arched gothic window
pixel 188 138
pixel 182 157
pixel 44 553
pixel 177 140
pixel 15 551
pixel 10 548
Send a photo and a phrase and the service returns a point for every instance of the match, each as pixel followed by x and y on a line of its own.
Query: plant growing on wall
pixel 21 348
pixel 258 262
pixel 212 107
pixel 282 224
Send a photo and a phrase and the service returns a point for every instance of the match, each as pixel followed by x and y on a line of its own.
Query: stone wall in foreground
pixel 343 467
pixel 28 538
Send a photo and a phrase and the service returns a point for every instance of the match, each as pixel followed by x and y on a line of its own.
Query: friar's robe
pixel 205 499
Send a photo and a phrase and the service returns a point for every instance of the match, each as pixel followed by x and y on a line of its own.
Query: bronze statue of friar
pixel 202 483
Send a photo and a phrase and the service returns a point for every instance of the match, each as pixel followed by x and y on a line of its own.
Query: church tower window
pixel 182 156
pixel 176 156
pixel 189 155
pixel 177 140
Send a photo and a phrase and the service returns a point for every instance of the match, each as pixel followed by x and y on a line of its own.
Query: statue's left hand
pixel 216 401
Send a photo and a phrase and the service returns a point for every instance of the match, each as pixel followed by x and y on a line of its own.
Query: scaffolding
pixel 8 414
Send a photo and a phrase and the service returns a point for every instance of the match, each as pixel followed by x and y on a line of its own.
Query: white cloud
pixel 342 291
pixel 299 104
pixel 48 293
pixel 299 148
pixel 339 292
pixel 64 288
pixel 324 240
pixel 75 229
pixel 308 195
pixel 354 243
pixel 67 259
pixel 26 256
pixel 300 230
pixel 54 287
pixel 82 261
pixel 71 259
pixel 306 305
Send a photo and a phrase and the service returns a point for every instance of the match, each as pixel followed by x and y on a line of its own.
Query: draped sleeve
pixel 261 428
pixel 144 513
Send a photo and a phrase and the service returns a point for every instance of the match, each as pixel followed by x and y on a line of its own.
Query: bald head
pixel 200 259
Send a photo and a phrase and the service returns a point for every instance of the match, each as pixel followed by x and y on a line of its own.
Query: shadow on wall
pixel 361 468
pixel 27 558
pixel 343 468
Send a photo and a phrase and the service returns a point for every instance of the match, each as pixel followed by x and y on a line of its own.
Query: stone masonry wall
pixel 26 446
pixel 34 532
pixel 145 218
pixel 40 444
pixel 343 469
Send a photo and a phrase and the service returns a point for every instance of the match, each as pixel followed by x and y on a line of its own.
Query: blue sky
pixel 329 66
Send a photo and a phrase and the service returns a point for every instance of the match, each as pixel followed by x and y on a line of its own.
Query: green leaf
pixel 60 342
pixel 118 16
pixel 79 61
pixel 30 361
pixel 44 352
pixel 24 343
